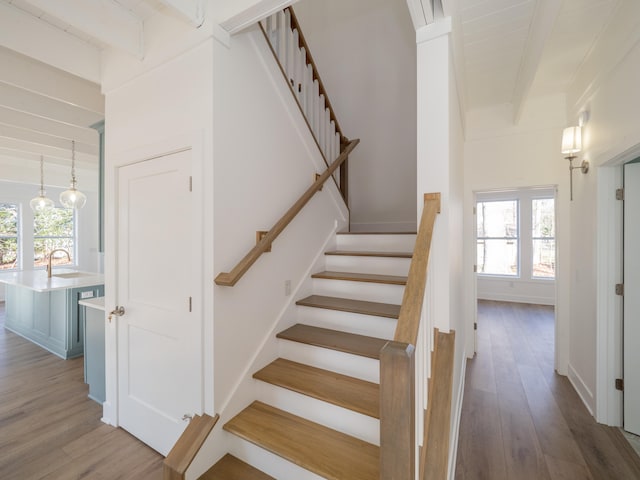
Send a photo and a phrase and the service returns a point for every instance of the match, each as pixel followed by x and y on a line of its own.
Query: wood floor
pixel 520 420
pixel 49 429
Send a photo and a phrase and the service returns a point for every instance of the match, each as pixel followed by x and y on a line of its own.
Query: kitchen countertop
pixel 37 279
pixel 97 303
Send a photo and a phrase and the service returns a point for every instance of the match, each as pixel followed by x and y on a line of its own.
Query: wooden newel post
pixel 397 411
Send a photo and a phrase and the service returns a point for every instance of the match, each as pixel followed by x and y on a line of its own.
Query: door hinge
pixel 620 384
pixel 475 269
pixel 191 184
pixel 190 304
pixel 475 326
pixel 620 289
pixel 619 193
pixel 475 210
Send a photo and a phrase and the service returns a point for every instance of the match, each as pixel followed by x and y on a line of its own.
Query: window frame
pixel 517 238
pixel 18 236
pixel 73 237
pixel 524 197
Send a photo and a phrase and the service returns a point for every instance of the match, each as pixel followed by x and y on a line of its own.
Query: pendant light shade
pixel 41 201
pixel 73 198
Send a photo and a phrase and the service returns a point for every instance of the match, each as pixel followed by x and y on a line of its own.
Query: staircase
pixel 318 406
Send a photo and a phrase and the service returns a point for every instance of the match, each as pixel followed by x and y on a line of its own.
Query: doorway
pixel 516 250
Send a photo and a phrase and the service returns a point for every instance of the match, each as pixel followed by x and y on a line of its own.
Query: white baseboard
pixel 457 414
pixel 581 388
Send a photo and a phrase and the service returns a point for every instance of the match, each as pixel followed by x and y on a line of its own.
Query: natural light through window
pixel 8 236
pixel 543 234
pixel 498 242
pixel 53 228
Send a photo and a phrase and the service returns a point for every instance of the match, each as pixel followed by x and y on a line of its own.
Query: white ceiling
pixel 514 49
pixel 510 50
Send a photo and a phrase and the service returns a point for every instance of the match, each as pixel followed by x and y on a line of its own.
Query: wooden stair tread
pixel 348 392
pixel 353 306
pixel 326 452
pixel 335 340
pixel 362 277
pixel 231 468
pixel 356 253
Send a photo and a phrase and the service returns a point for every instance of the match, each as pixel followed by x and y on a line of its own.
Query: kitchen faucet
pixel 49 267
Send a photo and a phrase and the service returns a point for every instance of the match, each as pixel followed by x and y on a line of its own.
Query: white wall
pixel 265 158
pixel 440 169
pixel 500 155
pixel 365 53
pixel 607 88
pixel 163 103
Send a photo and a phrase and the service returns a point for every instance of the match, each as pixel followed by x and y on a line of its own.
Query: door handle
pixel 118 312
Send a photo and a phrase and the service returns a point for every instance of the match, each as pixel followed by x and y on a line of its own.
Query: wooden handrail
pixel 397 361
pixel 316 76
pixel 182 454
pixel 229 279
pixel 434 458
pixel 409 318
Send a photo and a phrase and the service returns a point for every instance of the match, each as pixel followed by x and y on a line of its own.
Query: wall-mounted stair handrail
pixel 404 362
pixel 291 51
pixel 229 279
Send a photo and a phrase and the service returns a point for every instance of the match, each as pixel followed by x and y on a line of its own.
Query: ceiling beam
pixel 43 139
pixel 62 155
pixel 191 10
pixel 421 12
pixel 254 13
pixel 36 104
pixel 103 20
pixel 26 34
pixel 51 127
pixel 544 18
pixel 23 72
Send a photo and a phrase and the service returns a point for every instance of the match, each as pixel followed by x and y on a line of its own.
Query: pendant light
pixel 41 201
pixel 73 198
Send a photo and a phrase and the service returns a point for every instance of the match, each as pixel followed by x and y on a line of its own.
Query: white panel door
pixel 159 337
pixel 632 298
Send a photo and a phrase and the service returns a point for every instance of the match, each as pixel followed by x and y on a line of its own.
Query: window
pixel 516 234
pixel 53 228
pixel 8 236
pixel 543 232
pixel 498 237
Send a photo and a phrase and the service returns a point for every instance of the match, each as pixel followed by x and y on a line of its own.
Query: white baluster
pixel 327 133
pixel 316 109
pixel 309 94
pixel 330 140
pixel 321 124
pixel 282 38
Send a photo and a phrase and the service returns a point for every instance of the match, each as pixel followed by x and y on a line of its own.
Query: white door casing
pixel 160 334
pixel 631 323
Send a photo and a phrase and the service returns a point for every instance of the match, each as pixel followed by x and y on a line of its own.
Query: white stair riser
pixel 375 265
pixel 370 325
pixel 268 462
pixel 343 420
pixel 344 363
pixel 371 292
pixel 377 243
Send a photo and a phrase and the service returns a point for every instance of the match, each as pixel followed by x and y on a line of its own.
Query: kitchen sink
pixel 72 275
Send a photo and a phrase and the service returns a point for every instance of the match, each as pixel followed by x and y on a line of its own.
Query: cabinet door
pixel 75 333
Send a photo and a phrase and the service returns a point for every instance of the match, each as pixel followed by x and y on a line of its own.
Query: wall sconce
pixel 571 145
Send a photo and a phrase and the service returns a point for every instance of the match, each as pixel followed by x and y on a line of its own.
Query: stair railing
pixel 229 279
pixel 289 47
pixel 405 363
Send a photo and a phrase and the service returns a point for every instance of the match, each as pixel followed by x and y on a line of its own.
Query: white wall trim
pixel 254 14
pixel 581 388
pixel 454 437
pixel 505 297
pixel 434 30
